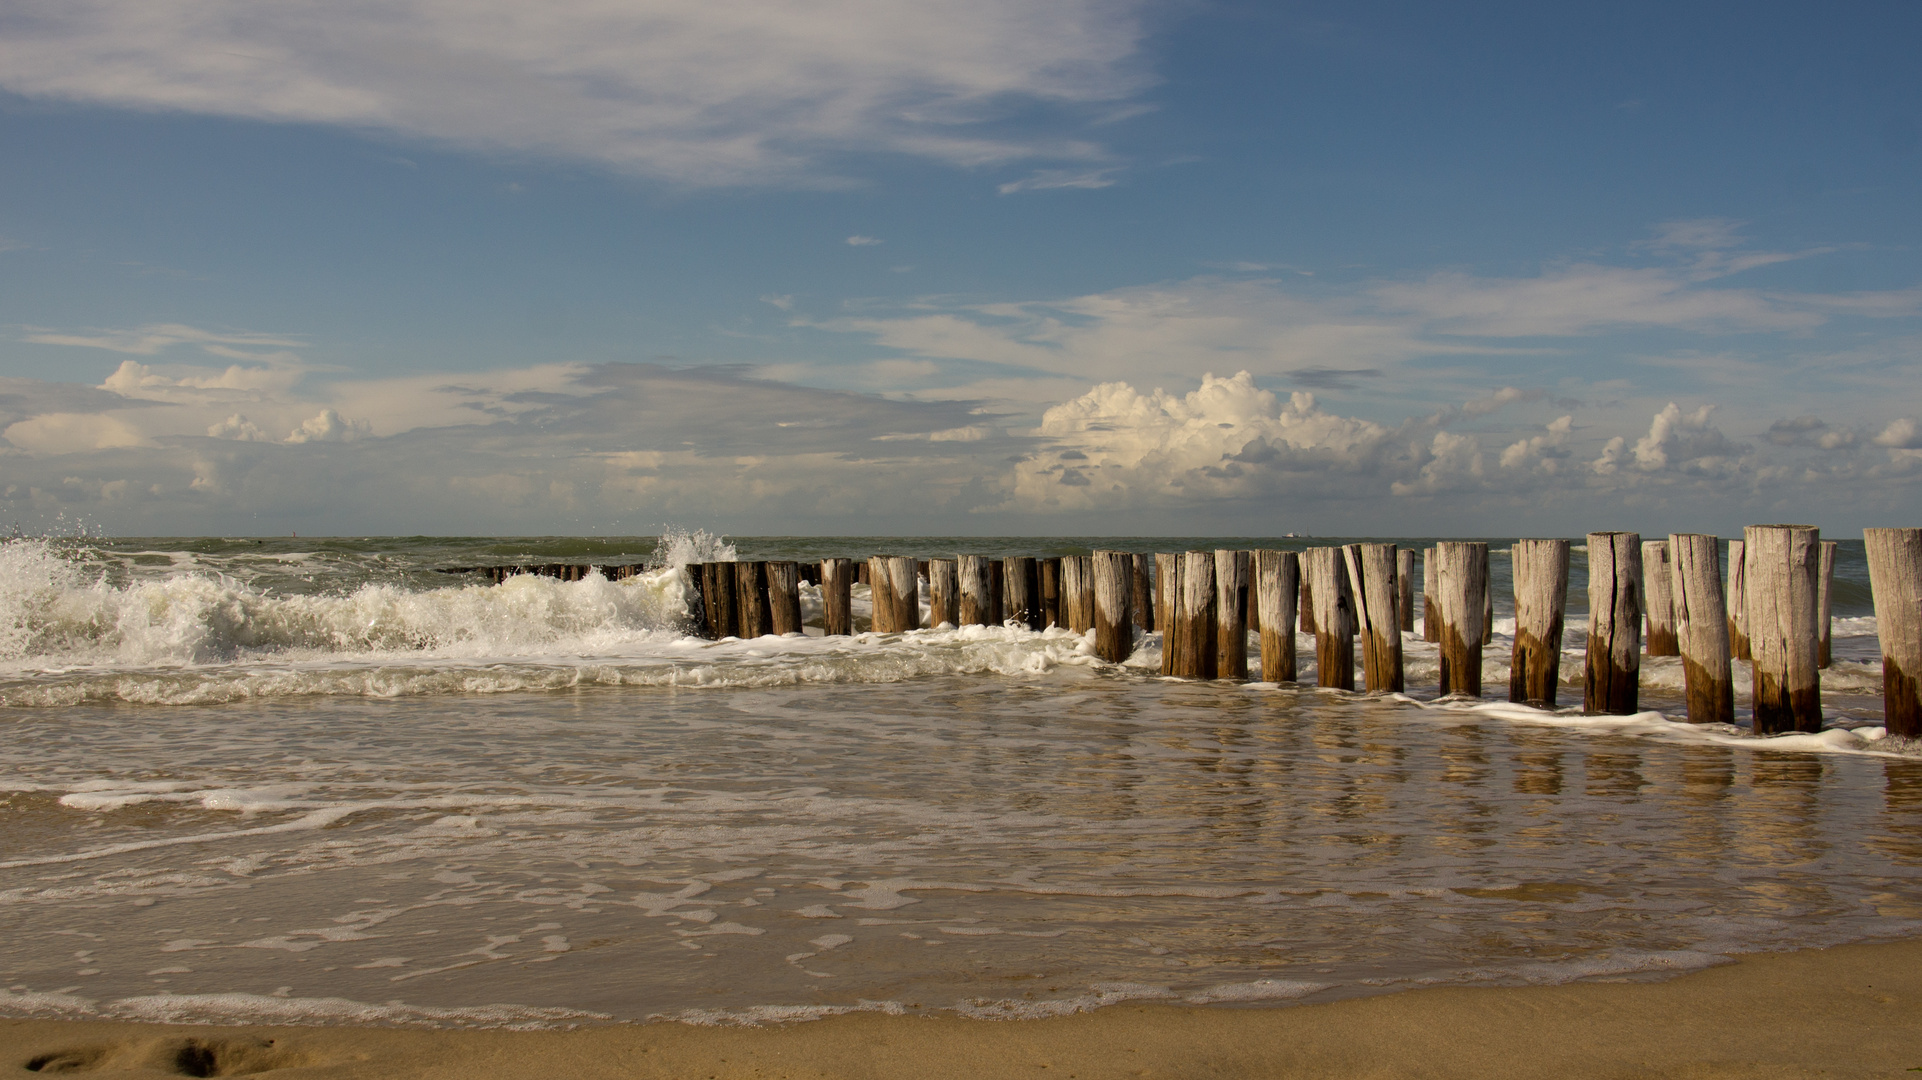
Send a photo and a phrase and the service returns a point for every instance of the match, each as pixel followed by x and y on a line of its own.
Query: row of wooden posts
pixel 1773 612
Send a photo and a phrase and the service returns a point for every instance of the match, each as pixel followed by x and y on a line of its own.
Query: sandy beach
pixel 1843 1012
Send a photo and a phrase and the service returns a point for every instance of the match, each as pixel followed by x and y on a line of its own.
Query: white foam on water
pixel 1864 740
pixel 1258 990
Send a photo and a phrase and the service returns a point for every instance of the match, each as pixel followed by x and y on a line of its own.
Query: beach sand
pixel 1843 1012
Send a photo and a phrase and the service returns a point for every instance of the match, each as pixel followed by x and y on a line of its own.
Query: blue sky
pixel 870 266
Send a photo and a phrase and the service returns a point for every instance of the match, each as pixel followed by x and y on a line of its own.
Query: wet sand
pixel 1843 1012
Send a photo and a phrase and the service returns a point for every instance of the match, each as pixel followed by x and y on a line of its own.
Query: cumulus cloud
pixel 72 433
pixel 1678 442
pixel 1900 435
pixel 328 426
pixel 693 93
pixel 1115 447
pixel 1545 451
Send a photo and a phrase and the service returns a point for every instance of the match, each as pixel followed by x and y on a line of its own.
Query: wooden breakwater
pixel 1660 597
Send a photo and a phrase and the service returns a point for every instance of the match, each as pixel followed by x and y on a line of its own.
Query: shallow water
pixel 245 784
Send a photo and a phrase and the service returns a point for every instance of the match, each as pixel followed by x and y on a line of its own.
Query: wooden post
pixel 723 613
pixel 1231 614
pixel 1195 622
pixel 1374 570
pixel 784 598
pixel 1430 605
pixel 1895 577
pixel 944 601
pixel 1075 588
pixel 1334 606
pixel 1405 576
pixel 1657 573
pixel 1142 596
pixel 904 594
pixel 998 592
pixel 1701 626
pixel 1277 589
pixel 1167 584
pixel 880 604
pixel 1737 602
pixel 1305 604
pixel 1114 628
pixel 837 582
pixel 1168 607
pixel 976 587
pixel 1488 599
pixel 1781 564
pixel 750 599
pixel 1461 579
pixel 1251 610
pixel 1540 568
pixel 1611 680
pixel 1050 573
pixel 1022 592
pixel 1825 581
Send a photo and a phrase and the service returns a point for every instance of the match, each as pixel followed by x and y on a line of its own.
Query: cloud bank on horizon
pixel 1669 372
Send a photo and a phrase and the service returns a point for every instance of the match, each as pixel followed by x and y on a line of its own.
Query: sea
pixel 325 781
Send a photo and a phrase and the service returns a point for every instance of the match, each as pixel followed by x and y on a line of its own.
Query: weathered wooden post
pixel 750 599
pixel 1488 599
pixel 1781 566
pixel 1657 573
pixel 1168 572
pixel 1612 673
pixel 1195 622
pixel 1430 604
pixel 1251 610
pixel 723 613
pixel 1021 592
pixel 1461 579
pixel 1405 576
pixel 1114 628
pixel 944 600
pixel 1334 606
pixel 976 585
pixel 1540 568
pixel 1306 607
pixel 1231 614
pixel 1374 570
pixel 837 607
pixel 1077 593
pixel 1141 591
pixel 783 597
pixel 998 592
pixel 1167 584
pixel 1895 577
pixel 1701 626
pixel 1737 602
pixel 904 592
pixel 880 603
pixel 1277 585
pixel 1049 571
pixel 1825 580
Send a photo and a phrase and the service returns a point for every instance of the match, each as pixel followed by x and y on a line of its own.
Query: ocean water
pixel 321 781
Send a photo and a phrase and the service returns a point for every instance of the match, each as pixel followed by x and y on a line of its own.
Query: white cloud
pixel 1116 447
pixel 237 427
pixel 1057 179
pixel 1900 435
pixel 1544 452
pixel 691 92
pixel 328 426
pixel 862 241
pixel 1684 441
pixel 151 339
pixel 73 433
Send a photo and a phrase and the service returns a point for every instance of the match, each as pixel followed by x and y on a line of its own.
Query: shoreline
pixel 1845 1011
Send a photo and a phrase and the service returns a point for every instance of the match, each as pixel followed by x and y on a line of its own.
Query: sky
pixel 925 267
